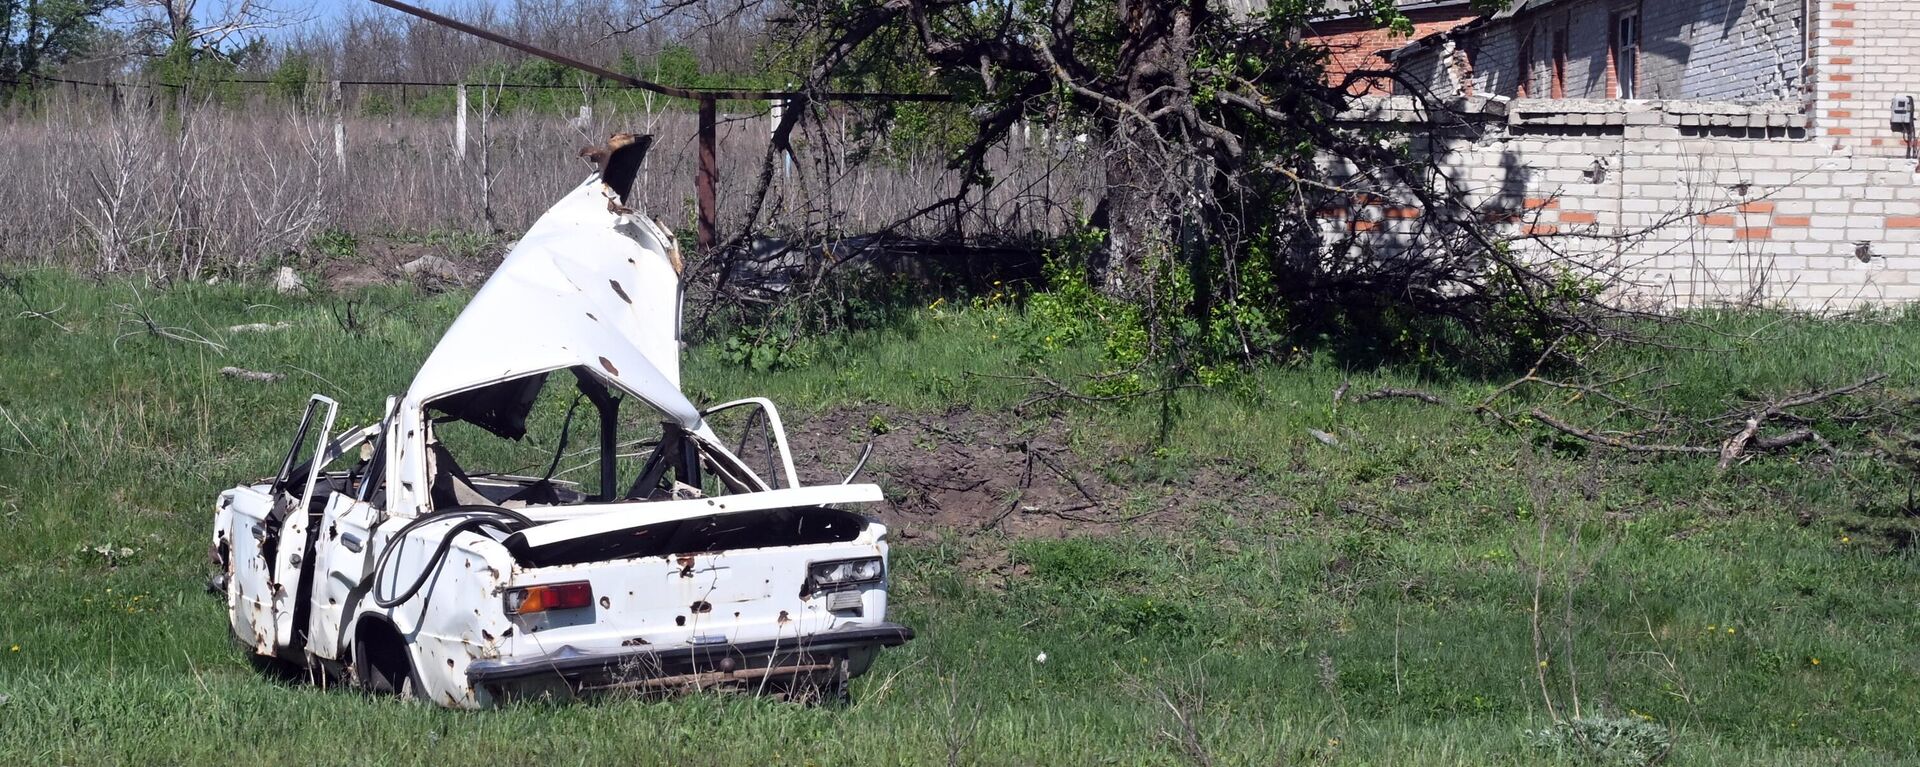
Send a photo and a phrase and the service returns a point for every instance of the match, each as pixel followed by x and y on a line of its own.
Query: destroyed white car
pixel 679 560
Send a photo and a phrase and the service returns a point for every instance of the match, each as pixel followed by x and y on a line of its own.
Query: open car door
pixel 266 536
pixel 343 547
pixel 752 429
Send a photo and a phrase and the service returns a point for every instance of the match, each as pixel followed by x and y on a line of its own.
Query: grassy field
pixel 1433 590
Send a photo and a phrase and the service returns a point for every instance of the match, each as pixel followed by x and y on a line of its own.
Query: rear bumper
pixel 772 657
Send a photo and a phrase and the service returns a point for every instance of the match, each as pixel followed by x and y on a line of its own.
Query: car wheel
pixel 381 666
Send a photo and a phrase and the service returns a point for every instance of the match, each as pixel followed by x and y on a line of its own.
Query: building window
pixel 1560 64
pixel 1524 82
pixel 1626 55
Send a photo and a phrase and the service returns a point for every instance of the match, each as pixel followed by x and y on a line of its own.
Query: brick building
pixel 1713 150
pixel 1354 42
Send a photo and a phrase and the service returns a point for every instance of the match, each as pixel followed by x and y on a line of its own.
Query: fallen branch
pixel 151 327
pixel 250 375
pixel 1615 442
pixel 46 315
pixel 17 430
pixel 1735 445
pixel 1392 393
pixel 1065 515
pixel 1070 478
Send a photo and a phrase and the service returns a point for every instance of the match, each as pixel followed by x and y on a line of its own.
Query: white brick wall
pixel 1805 196
pixel 1692 220
pixel 1866 52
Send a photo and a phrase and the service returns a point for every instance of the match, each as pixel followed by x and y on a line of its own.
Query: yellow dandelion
pixel 1846 539
pixel 1543 664
pixel 15 648
pixel 1729 629
pixel 1816 661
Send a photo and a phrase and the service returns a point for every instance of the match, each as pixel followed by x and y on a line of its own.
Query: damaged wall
pixel 1762 209
pixel 1730 50
pixel 1770 156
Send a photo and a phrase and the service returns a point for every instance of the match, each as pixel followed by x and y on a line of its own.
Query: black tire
pixel 381 665
pixel 831 689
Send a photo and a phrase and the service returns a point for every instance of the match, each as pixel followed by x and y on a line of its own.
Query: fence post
pixel 776 108
pixel 709 170
pixel 488 99
pixel 339 125
pixel 460 124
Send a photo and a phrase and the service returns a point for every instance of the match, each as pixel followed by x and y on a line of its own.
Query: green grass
pixel 1372 603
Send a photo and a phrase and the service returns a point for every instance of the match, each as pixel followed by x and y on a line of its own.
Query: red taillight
pixel 551 596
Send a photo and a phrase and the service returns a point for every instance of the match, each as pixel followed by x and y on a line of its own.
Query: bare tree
pixel 213 28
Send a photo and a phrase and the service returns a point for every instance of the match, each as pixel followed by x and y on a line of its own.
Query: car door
pixel 751 430
pixel 243 536
pixel 343 553
pixel 260 519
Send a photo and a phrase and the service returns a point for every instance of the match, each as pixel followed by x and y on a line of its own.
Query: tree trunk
pixel 1134 225
pixel 30 51
pixel 1144 161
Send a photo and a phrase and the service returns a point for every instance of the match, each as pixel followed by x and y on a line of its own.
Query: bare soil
pixel 964 472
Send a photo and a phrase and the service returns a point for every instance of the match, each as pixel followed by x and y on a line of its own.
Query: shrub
pixel 1606 740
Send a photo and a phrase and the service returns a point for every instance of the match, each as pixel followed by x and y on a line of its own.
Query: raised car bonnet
pixel 586 286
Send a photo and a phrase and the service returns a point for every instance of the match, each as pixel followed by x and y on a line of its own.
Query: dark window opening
pixel 1524 82
pixel 1560 64
pixel 1626 55
pixel 561 439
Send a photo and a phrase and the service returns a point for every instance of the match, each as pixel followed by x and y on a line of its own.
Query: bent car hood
pixel 585 286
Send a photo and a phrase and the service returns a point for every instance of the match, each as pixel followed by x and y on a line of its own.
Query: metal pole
pixel 709 171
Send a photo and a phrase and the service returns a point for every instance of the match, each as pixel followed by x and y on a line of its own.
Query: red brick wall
pixel 1356 43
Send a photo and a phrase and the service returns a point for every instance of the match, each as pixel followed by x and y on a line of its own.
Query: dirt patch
pixel 964 471
pixel 377 261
